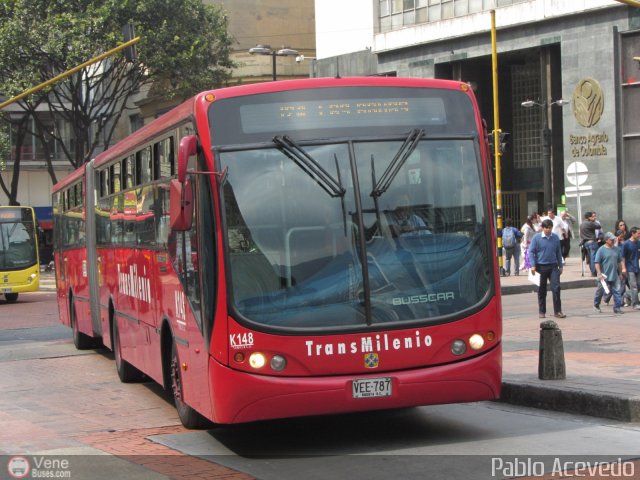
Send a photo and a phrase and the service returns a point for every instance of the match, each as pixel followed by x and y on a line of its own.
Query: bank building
pixel 568 86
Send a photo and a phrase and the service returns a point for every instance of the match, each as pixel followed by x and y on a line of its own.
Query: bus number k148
pixel 371 387
pixel 241 340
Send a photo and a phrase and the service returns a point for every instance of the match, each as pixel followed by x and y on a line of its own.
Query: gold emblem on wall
pixel 588 102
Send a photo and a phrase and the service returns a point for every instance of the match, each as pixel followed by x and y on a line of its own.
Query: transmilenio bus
pixel 19 263
pixel 291 248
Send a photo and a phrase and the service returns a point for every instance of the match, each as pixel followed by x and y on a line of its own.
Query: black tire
pixel 188 416
pixel 11 297
pixel 127 372
pixel 80 340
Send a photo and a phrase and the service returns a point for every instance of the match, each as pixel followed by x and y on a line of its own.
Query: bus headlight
pixel 257 360
pixel 476 341
pixel 278 363
pixel 458 347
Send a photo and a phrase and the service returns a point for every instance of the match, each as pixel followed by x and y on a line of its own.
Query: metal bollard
pixel 551 360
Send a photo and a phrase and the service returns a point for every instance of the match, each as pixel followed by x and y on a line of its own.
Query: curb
pixel 529 287
pixel 623 407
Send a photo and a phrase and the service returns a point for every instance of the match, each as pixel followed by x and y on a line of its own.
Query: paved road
pixel 58 401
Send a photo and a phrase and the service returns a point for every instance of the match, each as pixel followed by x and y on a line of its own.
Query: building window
pixel 135 122
pixel 395 14
pixel 527 122
pixel 384 8
pixel 630 71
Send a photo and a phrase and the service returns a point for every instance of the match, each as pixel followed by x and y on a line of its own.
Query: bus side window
pixel 116 178
pixel 144 166
pixel 161 211
pixel 166 162
pixel 128 167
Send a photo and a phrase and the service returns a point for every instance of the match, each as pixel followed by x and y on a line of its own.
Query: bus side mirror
pixel 188 147
pixel 181 209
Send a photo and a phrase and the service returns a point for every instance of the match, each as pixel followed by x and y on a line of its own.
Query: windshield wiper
pixel 407 148
pixel 309 165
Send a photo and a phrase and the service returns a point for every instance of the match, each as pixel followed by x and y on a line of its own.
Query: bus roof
pixel 329 82
pixel 69 179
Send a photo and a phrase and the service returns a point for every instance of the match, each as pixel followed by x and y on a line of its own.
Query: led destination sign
pixel 319 114
pixel 14 214
pixel 339 112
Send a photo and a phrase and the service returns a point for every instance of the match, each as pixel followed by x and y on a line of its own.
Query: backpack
pixel 508 238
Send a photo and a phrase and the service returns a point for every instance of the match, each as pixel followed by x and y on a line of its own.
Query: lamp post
pixel 267 50
pixel 301 58
pixel 546 145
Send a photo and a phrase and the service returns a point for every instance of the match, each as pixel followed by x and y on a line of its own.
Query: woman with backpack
pixel 510 242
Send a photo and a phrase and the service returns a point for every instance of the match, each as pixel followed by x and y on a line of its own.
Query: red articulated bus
pixel 291 248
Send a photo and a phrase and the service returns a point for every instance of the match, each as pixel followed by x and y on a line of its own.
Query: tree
pixel 5 142
pixel 184 49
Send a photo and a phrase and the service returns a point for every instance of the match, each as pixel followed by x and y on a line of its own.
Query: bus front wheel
pixel 188 416
pixel 11 297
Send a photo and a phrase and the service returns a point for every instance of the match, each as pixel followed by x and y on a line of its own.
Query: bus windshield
pixel 360 226
pixel 17 243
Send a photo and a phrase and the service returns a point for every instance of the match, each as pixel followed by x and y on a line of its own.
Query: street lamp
pixel 267 50
pixel 546 145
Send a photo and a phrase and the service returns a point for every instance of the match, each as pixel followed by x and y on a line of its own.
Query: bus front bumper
pixel 20 287
pixel 242 397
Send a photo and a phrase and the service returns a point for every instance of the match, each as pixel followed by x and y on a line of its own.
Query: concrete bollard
pixel 551 360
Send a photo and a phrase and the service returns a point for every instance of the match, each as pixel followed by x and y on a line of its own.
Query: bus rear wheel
pixel 127 372
pixel 188 416
pixel 11 297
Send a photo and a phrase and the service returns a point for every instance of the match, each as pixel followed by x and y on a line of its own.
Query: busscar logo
pixel 18 467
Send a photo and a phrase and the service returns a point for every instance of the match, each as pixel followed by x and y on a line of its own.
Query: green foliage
pixel 184 48
pixel 5 143
pixel 184 42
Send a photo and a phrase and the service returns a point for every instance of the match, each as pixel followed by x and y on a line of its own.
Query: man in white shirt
pixel 560 227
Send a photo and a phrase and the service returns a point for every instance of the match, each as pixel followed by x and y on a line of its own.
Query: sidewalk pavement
pixel 601 350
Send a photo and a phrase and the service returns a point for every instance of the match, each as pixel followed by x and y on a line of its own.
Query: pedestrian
pixel 622 225
pixel 545 256
pixel 570 221
pixel 610 270
pixel 559 226
pixel 630 255
pixel 619 244
pixel 511 237
pixel 528 231
pixel 589 239
pixel 599 231
pixel 536 221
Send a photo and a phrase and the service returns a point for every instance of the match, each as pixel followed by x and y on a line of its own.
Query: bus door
pixel 92 257
pixel 190 325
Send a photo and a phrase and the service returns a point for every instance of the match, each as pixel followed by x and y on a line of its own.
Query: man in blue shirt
pixel 610 266
pixel 545 255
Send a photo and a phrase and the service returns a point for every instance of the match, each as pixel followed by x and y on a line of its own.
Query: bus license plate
pixel 372 387
pixel 6 290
